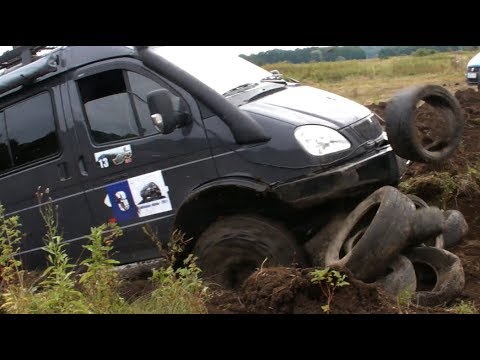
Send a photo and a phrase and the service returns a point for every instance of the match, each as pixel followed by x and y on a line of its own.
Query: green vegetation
pixel 60 290
pixel 307 55
pixel 378 79
pixel 465 307
pixel 439 188
pixel 339 53
pixel 329 280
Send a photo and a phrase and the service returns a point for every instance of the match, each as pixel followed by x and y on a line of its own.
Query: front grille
pixel 473 68
pixel 368 128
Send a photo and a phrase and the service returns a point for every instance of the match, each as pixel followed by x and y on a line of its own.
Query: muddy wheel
pixel 234 247
pixel 402 132
pixel 386 214
pixel 401 277
pixel 455 228
pixel 440 276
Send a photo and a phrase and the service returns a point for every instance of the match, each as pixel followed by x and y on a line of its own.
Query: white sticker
pixel 150 193
pixel 107 201
pixel 117 156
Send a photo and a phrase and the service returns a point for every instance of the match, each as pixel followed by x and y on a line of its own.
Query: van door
pixel 132 174
pixel 36 155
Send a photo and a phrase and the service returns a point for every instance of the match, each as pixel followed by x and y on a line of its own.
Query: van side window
pixel 30 126
pixel 108 107
pixel 141 86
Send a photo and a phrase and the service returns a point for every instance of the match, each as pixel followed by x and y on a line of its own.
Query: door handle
pixel 82 167
pixel 63 171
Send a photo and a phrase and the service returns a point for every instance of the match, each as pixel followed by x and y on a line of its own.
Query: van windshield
pixel 220 71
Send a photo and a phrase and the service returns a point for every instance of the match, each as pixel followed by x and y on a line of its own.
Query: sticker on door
pixel 112 157
pixel 139 196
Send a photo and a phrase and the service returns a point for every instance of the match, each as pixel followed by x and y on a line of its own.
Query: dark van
pixel 230 154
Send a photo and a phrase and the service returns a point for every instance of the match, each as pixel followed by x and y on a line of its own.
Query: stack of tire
pixel 395 240
pixel 398 242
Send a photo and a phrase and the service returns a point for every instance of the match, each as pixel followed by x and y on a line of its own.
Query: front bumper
pixel 363 174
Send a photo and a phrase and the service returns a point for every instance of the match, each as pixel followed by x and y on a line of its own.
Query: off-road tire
pixel 234 247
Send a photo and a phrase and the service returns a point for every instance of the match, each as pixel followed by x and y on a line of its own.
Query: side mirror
pixel 166 111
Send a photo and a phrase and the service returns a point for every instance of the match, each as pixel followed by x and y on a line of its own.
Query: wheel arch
pixel 223 197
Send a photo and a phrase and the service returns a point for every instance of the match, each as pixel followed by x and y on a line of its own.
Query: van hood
pixel 300 105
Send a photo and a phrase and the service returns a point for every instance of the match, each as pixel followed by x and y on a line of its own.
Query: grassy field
pixel 374 80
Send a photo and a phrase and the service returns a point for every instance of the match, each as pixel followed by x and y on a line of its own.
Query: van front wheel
pixel 234 247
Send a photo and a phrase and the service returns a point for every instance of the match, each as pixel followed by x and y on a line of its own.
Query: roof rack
pixel 21 55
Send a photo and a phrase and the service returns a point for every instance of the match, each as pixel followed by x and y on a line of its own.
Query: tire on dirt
pixel 418 201
pixel 427 223
pixel 234 247
pixel 400 122
pixel 455 228
pixel 436 241
pixel 440 275
pixel 387 214
pixel 401 278
pixel 317 246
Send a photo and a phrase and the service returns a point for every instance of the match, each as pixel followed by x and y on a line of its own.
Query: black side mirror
pixel 164 117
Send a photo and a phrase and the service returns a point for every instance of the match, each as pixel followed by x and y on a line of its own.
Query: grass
pixel 62 290
pixel 373 80
pixel 465 307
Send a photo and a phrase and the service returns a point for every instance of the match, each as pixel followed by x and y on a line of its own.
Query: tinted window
pixel 141 86
pixel 108 107
pixel 30 126
pixel 5 161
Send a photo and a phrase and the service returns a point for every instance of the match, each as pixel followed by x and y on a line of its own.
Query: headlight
pixel 320 140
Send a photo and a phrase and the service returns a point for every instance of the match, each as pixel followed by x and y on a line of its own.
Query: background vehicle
pixel 473 68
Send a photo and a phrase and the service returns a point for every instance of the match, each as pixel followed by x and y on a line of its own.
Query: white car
pixel 473 67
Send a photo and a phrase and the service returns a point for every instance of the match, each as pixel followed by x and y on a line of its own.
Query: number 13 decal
pixel 103 162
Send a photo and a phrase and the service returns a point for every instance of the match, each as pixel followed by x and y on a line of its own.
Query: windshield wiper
pixel 240 89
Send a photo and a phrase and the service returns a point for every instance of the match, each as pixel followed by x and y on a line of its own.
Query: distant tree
pixel 423 52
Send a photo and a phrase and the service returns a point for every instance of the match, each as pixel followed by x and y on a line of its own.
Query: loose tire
pixel 400 123
pixel 427 224
pixel 387 214
pixel 455 228
pixel 440 275
pixel 402 277
pixel 234 247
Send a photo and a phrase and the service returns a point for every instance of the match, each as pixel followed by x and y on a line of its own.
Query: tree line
pixel 338 53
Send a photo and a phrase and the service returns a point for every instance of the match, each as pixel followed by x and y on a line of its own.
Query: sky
pixel 235 50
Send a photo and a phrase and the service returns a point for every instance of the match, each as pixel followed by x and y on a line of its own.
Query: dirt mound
pixel 290 291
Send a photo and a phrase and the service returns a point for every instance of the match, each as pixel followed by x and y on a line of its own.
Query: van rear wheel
pixel 234 247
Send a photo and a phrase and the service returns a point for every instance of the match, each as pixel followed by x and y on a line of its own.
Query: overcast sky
pixel 237 50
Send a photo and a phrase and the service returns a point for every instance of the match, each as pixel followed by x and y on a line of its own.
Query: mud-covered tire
pixel 418 201
pixel 386 236
pixel 317 246
pixel 401 278
pixel 440 275
pixel 455 228
pixel 400 122
pixel 234 247
pixel 427 223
